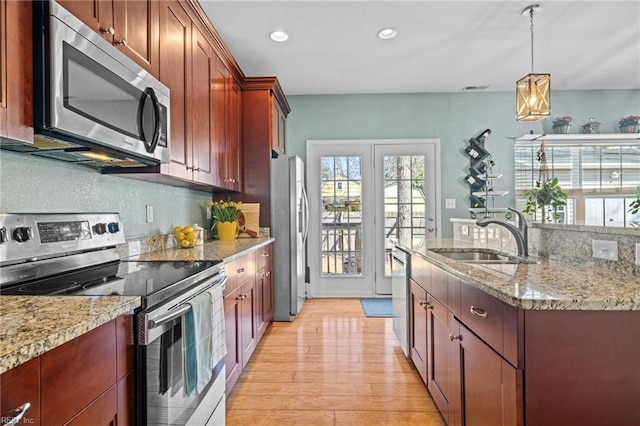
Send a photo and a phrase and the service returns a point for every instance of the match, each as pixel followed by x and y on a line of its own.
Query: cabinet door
pixel 441 363
pixel 279 122
pixel 16 70
pixel 267 301
pixel 219 118
pixel 232 147
pixel 202 107
pixel 96 14
pixel 488 383
pixel 260 323
pixel 136 31
pixel 248 331
pixel 175 72
pixel 19 386
pixel 125 394
pixel 232 318
pixel 418 333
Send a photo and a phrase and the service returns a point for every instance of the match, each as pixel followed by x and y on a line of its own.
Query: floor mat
pixel 377 308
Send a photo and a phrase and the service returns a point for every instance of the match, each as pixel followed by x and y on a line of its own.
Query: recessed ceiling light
pixel 387 33
pixel 279 36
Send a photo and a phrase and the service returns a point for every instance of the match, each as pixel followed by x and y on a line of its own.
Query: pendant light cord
pixel 531 18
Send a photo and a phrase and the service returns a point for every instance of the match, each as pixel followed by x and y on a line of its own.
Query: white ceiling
pixel 442 46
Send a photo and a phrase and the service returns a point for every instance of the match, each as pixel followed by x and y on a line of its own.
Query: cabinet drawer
pixel 482 314
pixel 439 286
pixel 263 256
pixel 19 386
pixel 64 392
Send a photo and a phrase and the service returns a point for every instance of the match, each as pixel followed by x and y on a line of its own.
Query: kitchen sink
pixel 480 256
pixel 472 256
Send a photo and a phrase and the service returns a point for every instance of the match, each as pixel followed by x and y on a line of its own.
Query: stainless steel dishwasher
pixel 399 266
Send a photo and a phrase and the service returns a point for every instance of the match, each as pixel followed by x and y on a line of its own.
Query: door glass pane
pixel 341 236
pixel 404 202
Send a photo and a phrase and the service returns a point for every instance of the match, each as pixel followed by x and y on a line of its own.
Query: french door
pixel 363 193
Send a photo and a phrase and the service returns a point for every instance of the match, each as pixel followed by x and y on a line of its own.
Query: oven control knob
pixel 100 228
pixel 22 234
pixel 113 227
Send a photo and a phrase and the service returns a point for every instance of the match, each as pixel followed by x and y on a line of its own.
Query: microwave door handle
pixel 156 110
pixel 149 95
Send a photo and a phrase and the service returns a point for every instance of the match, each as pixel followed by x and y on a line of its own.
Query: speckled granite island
pixel 32 325
pixel 542 285
pixel 534 342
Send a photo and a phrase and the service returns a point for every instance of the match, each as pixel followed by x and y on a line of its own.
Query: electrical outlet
pixel 450 203
pixel 603 249
pixel 637 253
pixel 149 214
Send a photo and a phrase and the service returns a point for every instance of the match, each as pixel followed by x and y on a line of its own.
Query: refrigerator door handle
pixel 305 201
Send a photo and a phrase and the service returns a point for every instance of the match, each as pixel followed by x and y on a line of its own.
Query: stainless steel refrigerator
pixel 290 227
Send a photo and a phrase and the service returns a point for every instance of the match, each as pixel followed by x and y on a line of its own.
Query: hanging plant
pixel 634 207
pixel 547 194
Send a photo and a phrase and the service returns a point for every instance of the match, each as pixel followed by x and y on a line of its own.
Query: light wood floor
pixel 332 366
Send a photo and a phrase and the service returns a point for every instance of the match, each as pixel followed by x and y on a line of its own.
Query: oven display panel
pixel 53 232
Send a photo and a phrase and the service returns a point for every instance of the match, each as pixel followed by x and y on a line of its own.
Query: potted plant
pixel 224 215
pixel 546 196
pixel 634 207
pixel 562 124
pixel 630 124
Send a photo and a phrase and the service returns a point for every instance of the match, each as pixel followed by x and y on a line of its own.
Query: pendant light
pixel 532 90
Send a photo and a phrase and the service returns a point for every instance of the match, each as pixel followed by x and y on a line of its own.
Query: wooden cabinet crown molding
pixel 268 83
pixel 219 46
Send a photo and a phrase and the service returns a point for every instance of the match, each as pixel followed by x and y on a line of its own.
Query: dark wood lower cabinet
pixel 19 386
pixel 77 382
pixel 488 383
pixel 418 328
pixel 490 363
pixel 248 306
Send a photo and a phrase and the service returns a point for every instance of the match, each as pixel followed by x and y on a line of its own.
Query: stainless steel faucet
pixel 519 233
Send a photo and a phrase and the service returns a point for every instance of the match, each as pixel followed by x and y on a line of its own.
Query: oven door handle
pixel 169 316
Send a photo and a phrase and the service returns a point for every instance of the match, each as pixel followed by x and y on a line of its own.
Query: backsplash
pixel 136 246
pixel 564 243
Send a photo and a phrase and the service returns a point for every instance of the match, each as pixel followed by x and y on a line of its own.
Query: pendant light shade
pixel 533 90
pixel 532 97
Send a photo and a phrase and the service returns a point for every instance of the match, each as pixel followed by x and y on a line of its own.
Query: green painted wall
pixel 29 184
pixel 453 118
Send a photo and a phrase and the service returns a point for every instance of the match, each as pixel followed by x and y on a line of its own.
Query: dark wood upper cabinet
pixel 175 67
pixel 259 98
pixel 16 70
pixel 130 25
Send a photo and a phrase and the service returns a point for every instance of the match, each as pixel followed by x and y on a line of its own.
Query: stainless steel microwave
pixel 91 101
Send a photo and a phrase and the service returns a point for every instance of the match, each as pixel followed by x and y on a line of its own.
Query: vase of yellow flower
pixel 224 215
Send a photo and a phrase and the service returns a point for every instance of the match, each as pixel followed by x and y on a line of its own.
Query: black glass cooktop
pixel 118 278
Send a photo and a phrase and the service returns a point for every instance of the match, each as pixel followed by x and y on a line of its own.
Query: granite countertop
pixel 32 325
pixel 211 250
pixel 542 285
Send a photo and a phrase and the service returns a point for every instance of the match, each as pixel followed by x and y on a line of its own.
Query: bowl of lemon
pixel 185 236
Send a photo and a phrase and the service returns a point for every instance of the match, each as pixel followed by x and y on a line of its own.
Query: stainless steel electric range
pixel 76 254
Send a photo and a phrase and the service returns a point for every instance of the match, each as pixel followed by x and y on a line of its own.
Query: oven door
pixel 98 94
pixel 161 395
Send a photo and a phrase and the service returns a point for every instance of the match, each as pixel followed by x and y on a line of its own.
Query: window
pixel 600 179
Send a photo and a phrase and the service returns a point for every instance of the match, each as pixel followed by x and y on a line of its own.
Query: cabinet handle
pixel 189 168
pixel 453 337
pixel 240 297
pixel 109 30
pixel 14 416
pixel 265 254
pixel 122 43
pixel 240 270
pixel 478 312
